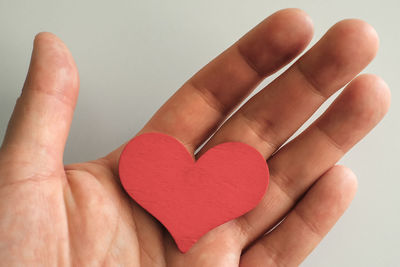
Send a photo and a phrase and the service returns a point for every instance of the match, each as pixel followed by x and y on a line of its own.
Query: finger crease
pixel 209 98
pixel 244 227
pixel 249 62
pixel 281 188
pixel 312 227
pixel 256 127
pixel 272 254
pixel 313 86
pixel 54 94
pixel 329 138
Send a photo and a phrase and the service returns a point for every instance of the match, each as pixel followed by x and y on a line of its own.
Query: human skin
pixel 79 215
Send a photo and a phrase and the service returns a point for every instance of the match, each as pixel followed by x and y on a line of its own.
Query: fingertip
pixel 343 52
pixel 363 28
pixel 345 179
pixel 298 15
pixel 336 188
pixel 368 96
pixel 52 69
pixel 374 85
pixel 45 35
pixel 359 33
pixel 277 40
pixel 357 110
pixel 296 25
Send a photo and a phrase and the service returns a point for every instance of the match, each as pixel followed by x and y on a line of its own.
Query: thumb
pixel 40 123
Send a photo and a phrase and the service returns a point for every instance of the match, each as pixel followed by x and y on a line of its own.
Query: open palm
pixel 79 215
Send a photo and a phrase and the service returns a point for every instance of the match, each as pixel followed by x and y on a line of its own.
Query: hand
pixel 79 214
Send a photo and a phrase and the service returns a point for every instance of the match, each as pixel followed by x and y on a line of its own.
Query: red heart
pixel 192 197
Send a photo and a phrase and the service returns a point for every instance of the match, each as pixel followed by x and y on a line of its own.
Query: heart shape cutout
pixel 192 197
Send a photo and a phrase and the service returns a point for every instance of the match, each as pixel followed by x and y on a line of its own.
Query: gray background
pixel 132 55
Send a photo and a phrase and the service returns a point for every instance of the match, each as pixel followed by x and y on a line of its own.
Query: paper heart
pixel 192 197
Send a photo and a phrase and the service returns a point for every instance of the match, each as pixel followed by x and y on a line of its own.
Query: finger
pixel 296 166
pixel 39 125
pixel 203 102
pixel 305 226
pixel 275 113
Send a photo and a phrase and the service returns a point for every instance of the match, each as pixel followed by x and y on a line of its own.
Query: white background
pixel 132 55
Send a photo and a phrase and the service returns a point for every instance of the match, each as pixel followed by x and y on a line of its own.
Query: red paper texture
pixel 192 197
